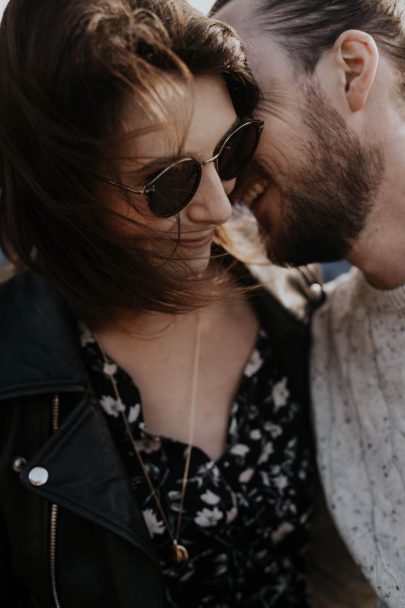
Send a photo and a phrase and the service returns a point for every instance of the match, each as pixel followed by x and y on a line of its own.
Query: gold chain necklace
pixel 180 553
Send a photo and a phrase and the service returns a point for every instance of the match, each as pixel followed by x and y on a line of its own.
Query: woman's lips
pixel 196 243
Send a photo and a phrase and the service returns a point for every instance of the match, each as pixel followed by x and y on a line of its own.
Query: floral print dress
pixel 245 514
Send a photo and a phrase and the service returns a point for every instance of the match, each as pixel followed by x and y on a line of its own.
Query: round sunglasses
pixel 173 188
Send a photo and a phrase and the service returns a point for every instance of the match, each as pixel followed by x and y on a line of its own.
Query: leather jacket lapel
pixel 84 472
pixel 86 476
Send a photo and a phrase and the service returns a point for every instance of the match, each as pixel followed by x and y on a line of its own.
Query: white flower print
pixel 254 364
pixel 265 478
pixel 231 515
pixel 246 476
pixel 255 434
pixel 187 576
pixel 210 498
pixel 262 554
pixel 86 337
pixel 233 428
pixel 207 518
pixel 240 450
pixel 111 406
pixel 281 482
pixel 214 471
pixel 110 369
pixel 134 412
pixel 154 526
pixel 148 445
pixel 291 444
pixel 282 531
pixel 267 451
pixel 281 394
pixel 275 430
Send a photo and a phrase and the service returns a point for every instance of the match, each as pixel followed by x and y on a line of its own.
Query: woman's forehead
pixel 213 114
pixel 192 121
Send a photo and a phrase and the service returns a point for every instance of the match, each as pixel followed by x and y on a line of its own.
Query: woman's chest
pixel 185 393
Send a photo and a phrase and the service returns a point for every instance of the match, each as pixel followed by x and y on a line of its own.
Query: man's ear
pixel 358 56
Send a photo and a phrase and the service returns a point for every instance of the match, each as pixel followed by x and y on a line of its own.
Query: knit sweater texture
pixel 358 393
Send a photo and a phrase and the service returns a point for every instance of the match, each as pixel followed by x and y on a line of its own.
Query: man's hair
pixel 68 70
pixel 307 28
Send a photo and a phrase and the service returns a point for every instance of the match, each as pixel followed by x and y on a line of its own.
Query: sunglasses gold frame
pixel 150 188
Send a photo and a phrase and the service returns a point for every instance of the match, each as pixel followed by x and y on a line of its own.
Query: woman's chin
pixel 199 266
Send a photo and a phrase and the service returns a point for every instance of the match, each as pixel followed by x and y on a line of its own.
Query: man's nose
pixel 211 204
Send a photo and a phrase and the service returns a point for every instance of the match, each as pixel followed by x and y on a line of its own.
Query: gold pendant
pixel 180 553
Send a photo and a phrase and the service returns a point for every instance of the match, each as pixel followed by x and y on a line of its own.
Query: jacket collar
pixel 41 355
pixel 76 481
pixel 39 351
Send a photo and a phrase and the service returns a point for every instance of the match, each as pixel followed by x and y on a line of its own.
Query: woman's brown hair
pixel 67 69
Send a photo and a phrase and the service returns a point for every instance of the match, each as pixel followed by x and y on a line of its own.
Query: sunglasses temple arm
pixel 113 182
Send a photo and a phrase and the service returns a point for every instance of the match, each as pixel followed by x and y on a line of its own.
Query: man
pixel 329 183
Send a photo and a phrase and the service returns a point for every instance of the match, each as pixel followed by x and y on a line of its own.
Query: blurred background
pixel 202 5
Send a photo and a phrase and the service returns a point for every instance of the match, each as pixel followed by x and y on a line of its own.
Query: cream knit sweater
pixel 358 392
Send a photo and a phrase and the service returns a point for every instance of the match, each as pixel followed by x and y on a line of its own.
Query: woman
pixel 153 449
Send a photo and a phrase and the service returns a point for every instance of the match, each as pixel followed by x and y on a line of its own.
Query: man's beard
pixel 326 204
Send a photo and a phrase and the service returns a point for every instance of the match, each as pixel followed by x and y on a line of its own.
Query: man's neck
pixel 379 252
pixel 382 259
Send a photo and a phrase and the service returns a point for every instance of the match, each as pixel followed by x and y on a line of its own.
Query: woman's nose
pixel 211 204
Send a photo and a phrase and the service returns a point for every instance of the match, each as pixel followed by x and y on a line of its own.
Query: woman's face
pixel 197 128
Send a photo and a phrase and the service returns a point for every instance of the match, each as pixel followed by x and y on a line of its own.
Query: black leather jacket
pixel 71 532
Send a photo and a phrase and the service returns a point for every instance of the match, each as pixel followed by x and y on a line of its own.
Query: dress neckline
pixel 252 367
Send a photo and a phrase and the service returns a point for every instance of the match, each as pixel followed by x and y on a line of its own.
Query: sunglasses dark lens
pixel 174 189
pixel 238 151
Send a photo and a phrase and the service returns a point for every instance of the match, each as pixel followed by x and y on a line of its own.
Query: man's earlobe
pixel 358 56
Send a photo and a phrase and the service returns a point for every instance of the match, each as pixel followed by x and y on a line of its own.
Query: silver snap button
pixel 316 292
pixel 18 464
pixel 38 476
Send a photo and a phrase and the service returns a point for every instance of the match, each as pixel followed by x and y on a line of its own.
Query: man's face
pixel 313 182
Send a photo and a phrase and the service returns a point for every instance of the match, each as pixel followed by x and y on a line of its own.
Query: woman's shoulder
pixel 21 284
pixel 27 298
pixel 38 338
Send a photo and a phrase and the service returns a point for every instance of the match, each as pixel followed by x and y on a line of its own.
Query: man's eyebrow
pixel 163 161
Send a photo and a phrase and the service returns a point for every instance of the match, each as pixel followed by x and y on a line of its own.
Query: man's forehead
pixel 247 19
pixel 261 45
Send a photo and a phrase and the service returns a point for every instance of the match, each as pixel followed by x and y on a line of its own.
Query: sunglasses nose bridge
pixel 214 159
pixel 210 160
